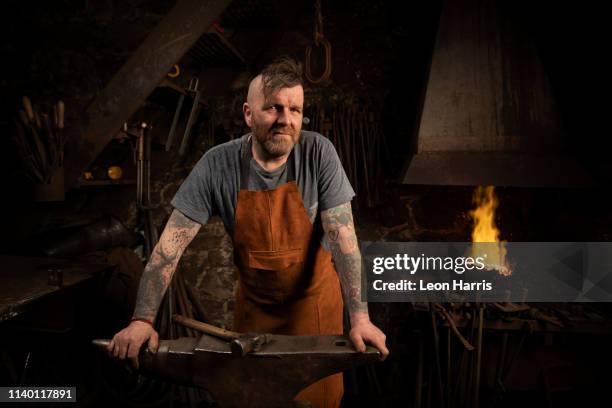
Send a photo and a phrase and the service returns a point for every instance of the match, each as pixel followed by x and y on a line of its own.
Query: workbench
pixel 24 280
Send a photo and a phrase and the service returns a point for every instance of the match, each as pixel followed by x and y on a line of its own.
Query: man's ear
pixel 248 114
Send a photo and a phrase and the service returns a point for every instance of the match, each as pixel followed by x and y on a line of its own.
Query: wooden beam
pixel 137 78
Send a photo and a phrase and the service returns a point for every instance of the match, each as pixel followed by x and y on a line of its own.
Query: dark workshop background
pixel 70 50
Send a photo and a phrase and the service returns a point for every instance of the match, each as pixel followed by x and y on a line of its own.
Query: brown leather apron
pixel 287 282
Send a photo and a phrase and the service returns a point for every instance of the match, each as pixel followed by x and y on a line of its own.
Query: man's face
pixel 276 121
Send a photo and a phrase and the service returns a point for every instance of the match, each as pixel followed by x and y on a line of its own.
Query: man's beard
pixel 274 144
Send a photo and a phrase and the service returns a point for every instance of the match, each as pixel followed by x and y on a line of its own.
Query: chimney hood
pixel 488 116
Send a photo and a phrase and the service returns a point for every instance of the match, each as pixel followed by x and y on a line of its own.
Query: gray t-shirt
pixel 212 186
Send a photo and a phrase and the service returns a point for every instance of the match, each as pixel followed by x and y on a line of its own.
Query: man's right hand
pixel 177 234
pixel 128 341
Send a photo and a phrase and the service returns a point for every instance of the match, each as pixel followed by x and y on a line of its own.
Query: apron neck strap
pixel 245 165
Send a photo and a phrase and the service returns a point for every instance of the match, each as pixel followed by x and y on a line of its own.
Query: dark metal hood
pixel 488 116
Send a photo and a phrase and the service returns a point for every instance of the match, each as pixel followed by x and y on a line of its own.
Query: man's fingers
pixel 370 334
pixel 385 352
pixel 379 343
pixel 121 349
pixel 132 354
pixel 127 343
pixel 116 346
pixel 111 345
pixel 358 343
pixel 133 349
pixel 153 342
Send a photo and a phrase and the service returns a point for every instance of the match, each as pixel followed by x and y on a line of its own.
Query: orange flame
pixel 485 230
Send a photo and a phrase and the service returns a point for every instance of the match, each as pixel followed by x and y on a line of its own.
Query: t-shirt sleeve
pixel 194 197
pixel 334 185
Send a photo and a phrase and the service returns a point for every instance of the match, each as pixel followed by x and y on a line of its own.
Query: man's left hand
pixel 364 331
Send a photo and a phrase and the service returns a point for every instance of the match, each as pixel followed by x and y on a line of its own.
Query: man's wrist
pixel 141 319
pixel 359 317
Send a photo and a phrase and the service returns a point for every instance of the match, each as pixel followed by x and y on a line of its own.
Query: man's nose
pixel 283 117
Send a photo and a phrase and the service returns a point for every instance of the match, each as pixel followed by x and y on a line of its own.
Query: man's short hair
pixel 284 72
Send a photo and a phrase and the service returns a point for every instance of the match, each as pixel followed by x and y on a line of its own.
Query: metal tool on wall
pixel 40 141
pixel 193 114
pixel 476 326
pixel 143 186
pixel 319 40
pixel 175 119
pixel 354 129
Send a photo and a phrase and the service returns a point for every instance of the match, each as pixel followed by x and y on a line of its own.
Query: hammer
pixel 240 344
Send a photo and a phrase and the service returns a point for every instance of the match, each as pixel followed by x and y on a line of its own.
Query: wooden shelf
pixel 96 183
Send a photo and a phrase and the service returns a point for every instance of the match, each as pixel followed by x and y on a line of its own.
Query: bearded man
pixel 285 199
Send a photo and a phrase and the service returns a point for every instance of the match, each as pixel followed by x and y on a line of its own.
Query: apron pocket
pixel 275 260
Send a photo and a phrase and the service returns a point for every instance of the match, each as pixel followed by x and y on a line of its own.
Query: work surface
pixel 24 280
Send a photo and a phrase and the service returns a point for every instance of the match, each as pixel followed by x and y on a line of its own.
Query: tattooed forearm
pixel 340 234
pixel 178 233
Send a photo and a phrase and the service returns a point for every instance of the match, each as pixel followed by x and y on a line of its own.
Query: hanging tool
pixel 39 142
pixel 59 111
pixel 193 115
pixel 34 127
pixel 319 40
pixel 140 164
pixel 143 185
pixel 176 71
pixel 177 114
